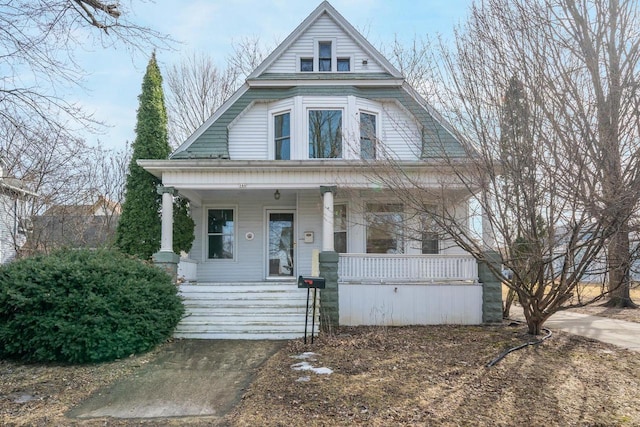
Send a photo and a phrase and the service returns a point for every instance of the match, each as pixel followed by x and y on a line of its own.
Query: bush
pixel 81 306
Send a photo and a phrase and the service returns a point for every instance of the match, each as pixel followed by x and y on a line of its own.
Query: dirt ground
pixel 380 376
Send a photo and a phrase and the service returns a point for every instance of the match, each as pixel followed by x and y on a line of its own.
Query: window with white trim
pixel 282 136
pixel 344 64
pixel 324 56
pixel 430 235
pixel 325 134
pixel 367 135
pixel 220 233
pixel 340 228
pixel 306 65
pixel 385 222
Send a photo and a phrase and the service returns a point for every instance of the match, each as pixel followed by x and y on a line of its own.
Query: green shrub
pixel 81 306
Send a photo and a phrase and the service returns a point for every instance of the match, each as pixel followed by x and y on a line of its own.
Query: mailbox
pixel 310 282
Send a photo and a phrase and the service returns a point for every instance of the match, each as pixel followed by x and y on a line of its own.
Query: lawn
pixel 433 375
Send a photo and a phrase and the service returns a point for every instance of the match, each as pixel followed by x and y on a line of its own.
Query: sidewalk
pixel 617 332
pixel 189 378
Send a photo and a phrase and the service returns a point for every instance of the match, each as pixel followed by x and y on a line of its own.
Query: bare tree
pixel 66 175
pixel 592 75
pixel 557 185
pixel 197 87
pixel 38 41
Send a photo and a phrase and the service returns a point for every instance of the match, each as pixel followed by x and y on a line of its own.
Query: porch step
pixel 249 310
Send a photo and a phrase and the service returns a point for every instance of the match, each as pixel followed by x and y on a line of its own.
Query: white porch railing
pixel 394 267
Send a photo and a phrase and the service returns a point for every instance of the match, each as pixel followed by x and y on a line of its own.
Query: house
pixel 282 183
pixel 15 225
pixel 75 226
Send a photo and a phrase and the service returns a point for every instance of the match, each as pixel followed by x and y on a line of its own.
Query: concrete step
pixel 264 310
pixel 266 335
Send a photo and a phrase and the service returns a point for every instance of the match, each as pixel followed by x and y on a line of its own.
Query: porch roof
pixel 189 176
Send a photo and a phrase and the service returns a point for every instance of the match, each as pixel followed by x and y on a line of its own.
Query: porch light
pixel 276 195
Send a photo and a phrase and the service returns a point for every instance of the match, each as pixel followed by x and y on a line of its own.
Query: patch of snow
pixel 305 355
pixel 305 366
pixel 303 380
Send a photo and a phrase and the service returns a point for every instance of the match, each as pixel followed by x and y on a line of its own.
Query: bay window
pixel 282 136
pixel 325 134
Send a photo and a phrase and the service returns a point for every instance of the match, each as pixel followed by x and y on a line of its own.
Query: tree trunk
pixel 619 265
pixel 506 308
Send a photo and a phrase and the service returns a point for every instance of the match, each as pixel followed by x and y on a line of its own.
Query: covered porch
pixel 264 221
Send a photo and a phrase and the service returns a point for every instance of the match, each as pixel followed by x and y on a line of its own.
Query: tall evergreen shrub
pixel 138 231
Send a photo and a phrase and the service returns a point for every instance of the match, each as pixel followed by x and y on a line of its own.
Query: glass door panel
pixel 281 248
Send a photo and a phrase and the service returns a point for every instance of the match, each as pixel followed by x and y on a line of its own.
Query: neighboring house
pixel 15 225
pixel 75 226
pixel 281 181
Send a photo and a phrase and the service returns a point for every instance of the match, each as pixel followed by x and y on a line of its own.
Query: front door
pixel 281 244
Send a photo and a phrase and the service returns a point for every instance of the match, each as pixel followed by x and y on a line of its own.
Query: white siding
pixel 248 134
pixel 396 305
pixel 323 29
pixel 400 133
pixel 250 259
pixel 309 219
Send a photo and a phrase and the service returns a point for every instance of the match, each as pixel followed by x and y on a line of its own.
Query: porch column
pixel 166 239
pixel 165 258
pixel 329 304
pixel 327 217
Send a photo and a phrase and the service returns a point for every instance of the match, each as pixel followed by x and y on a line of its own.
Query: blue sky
pixel 210 26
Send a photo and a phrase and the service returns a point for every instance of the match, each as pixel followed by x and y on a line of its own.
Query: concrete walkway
pixel 617 332
pixel 189 378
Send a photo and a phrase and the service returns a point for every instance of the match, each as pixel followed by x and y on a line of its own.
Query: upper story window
pixel 367 136
pixel 306 64
pixel 325 134
pixel 220 233
pixel 282 136
pixel 324 56
pixel 344 64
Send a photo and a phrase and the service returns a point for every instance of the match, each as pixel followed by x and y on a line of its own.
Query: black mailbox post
pixel 309 283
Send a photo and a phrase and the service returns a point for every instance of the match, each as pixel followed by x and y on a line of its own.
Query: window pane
pixel 324 49
pixel 324 64
pixel 324 56
pixel 384 229
pixel 220 231
pixel 367 136
pixel 306 64
pixel 430 235
pixel 340 228
pixel 430 242
pixel 282 136
pixel 340 242
pixel 325 134
pixel 344 64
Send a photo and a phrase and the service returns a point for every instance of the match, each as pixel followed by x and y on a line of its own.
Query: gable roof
pixel 326 8
pixel 210 141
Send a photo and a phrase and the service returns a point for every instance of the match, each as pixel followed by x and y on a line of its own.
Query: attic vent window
pixel 324 56
pixel 306 64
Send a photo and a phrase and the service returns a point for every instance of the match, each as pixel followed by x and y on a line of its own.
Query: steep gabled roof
pixel 326 8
